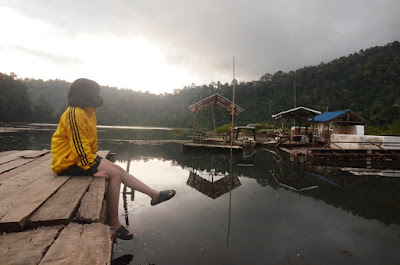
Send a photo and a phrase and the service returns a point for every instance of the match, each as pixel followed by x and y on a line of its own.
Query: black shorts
pixel 75 170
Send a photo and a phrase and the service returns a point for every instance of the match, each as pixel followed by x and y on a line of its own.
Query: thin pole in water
pixel 231 157
pixel 233 102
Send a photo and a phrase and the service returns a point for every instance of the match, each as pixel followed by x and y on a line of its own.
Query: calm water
pixel 270 211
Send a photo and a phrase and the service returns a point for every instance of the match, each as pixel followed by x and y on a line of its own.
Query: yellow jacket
pixel 75 140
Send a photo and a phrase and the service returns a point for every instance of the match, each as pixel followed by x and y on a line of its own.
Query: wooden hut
pixel 336 122
pixel 299 114
pixel 212 101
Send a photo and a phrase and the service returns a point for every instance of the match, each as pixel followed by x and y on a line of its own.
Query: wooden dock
pixel 376 158
pixel 50 219
pixel 210 146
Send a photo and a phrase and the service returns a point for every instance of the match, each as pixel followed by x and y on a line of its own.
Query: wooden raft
pixel 212 146
pixel 50 219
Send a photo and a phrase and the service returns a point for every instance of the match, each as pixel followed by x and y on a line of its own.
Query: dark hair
pixel 84 93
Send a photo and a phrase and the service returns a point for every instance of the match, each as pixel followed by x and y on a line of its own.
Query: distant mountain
pixel 367 82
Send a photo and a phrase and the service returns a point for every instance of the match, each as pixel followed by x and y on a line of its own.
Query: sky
pixel 162 45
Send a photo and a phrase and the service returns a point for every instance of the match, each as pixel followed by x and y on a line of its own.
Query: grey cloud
pixel 53 58
pixel 264 36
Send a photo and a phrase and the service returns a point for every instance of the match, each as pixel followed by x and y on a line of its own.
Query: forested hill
pixel 367 82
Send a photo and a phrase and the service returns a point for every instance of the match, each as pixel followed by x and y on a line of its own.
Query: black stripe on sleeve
pixel 76 137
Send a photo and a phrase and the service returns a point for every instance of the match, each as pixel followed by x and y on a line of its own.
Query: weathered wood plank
pixel 81 244
pixel 8 152
pixel 26 247
pixel 103 213
pixel 36 154
pixel 92 202
pixel 23 159
pixel 91 206
pixel 24 168
pixel 17 183
pixel 17 208
pixel 13 156
pixel 21 195
pixel 60 208
pixel 14 164
pixel 103 153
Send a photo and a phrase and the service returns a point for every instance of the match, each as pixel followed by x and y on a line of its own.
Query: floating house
pixel 344 129
pixel 201 139
pixel 299 115
pixel 336 122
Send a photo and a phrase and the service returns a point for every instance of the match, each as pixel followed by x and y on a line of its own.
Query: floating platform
pixel 374 158
pixel 211 146
pixel 381 159
pixel 50 219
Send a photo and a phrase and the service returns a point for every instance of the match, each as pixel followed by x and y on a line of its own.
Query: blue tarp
pixel 327 116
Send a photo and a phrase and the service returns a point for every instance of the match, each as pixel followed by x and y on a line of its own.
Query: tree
pixel 43 111
pixel 14 101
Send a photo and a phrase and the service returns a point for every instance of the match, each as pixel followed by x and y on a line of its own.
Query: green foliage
pixel 226 128
pixel 14 101
pixel 178 132
pixel 43 111
pixel 263 126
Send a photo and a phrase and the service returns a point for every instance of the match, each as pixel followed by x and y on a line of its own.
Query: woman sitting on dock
pixel 74 147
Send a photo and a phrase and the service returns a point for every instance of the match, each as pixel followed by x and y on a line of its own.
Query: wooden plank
pixel 92 201
pixel 20 181
pixel 14 164
pixel 22 158
pixel 26 247
pixel 103 153
pixel 91 206
pixel 60 208
pixel 36 154
pixel 103 213
pixel 14 156
pixel 17 208
pixel 236 147
pixel 81 244
pixel 24 168
pixel 8 152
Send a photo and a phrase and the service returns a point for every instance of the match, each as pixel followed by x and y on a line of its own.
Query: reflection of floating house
pixel 292 175
pixel 213 189
pixel 294 181
pixel 335 176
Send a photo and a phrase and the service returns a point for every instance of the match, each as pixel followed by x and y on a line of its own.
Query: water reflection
pixel 208 173
pixel 213 188
pixel 369 196
pixel 265 208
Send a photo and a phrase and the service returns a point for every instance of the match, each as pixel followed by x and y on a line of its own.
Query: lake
pixel 271 210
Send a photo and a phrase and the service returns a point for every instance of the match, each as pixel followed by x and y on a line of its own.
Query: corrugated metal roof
pixel 327 116
pixel 299 111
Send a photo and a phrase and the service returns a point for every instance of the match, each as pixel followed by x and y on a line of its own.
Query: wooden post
pixel 233 102
pixel 215 129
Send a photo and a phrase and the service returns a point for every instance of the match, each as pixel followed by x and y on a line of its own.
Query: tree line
pixel 367 82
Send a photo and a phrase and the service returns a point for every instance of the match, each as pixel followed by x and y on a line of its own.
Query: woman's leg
pixel 127 179
pixel 115 175
pixel 113 189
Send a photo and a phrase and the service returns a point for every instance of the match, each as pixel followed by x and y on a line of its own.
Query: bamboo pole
pixel 213 117
pixel 233 102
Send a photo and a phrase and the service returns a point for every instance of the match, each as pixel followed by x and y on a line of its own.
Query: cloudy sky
pixel 161 45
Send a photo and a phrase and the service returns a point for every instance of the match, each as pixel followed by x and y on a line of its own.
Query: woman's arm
pixel 80 138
